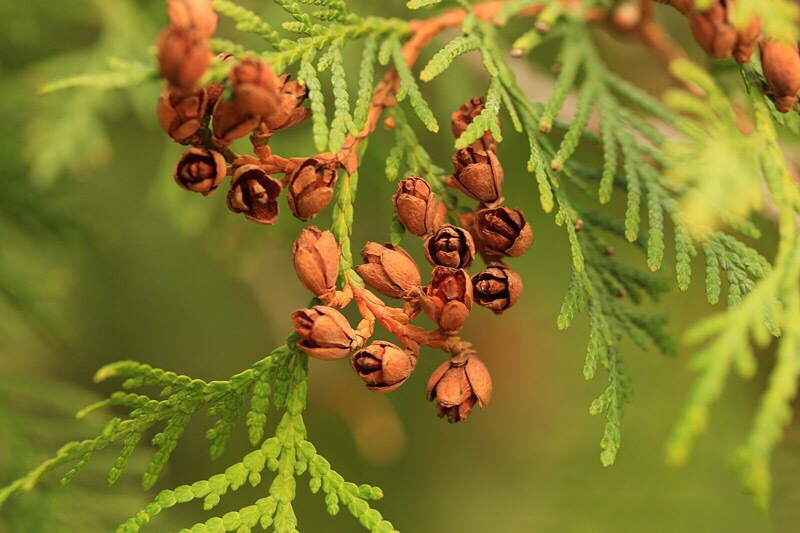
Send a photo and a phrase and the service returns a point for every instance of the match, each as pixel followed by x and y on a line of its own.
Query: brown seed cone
pixel 326 333
pixel 478 174
pixel 200 170
pixel 712 32
pixel 183 58
pixel 383 366
pixel 497 287
pixel 463 117
pixel 289 112
pixel 179 114
pixel 389 270
pixel 255 194
pixel 194 15
pixel 447 299
pixel 316 260
pixel 450 246
pixel 781 63
pixel 256 88
pixel 415 205
pixel 458 384
pixel 310 186
pixel 231 121
pixel 503 231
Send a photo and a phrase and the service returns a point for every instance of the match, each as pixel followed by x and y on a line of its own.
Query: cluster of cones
pixel 492 230
pixel 715 32
pixel 260 105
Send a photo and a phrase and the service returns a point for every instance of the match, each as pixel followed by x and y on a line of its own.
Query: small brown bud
pixel 183 57
pixel 464 116
pixel 608 251
pixel 447 299
pixel 289 111
pixel 311 186
pixel 712 32
pixel 627 17
pixel 458 384
pixel 200 170
pixel 496 288
pixel 389 123
pixel 180 115
pixel 478 174
pixel 781 63
pixel 415 204
pixel 578 225
pixel 389 270
pixel 450 246
pixel 504 231
pixel 255 194
pixel 316 260
pixel 256 88
pixel 383 366
pixel 326 333
pixel 196 15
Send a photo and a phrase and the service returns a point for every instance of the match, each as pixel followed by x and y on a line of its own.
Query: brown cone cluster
pixel 715 33
pixel 252 100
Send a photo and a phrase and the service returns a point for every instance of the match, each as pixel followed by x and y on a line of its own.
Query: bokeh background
pixel 103 257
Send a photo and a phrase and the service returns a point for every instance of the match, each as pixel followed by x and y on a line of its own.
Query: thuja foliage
pixel 690 168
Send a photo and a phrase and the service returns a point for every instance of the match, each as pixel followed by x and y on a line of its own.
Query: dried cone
pixel 497 287
pixel 478 174
pixel 311 186
pixel 415 205
pixel 458 384
pixel 256 87
pixel 464 116
pixel 503 231
pixel 781 63
pixel 389 270
pixel 179 114
pixel 326 333
pixel 183 57
pixel 383 366
pixel 447 299
pixel 450 246
pixel 289 111
pixel 255 194
pixel 200 170
pixel 712 31
pixel 316 260
pixel 194 15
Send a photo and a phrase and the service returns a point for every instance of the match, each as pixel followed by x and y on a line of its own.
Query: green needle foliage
pixel 690 181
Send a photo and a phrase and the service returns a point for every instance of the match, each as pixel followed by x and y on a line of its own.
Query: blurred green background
pixel 103 258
